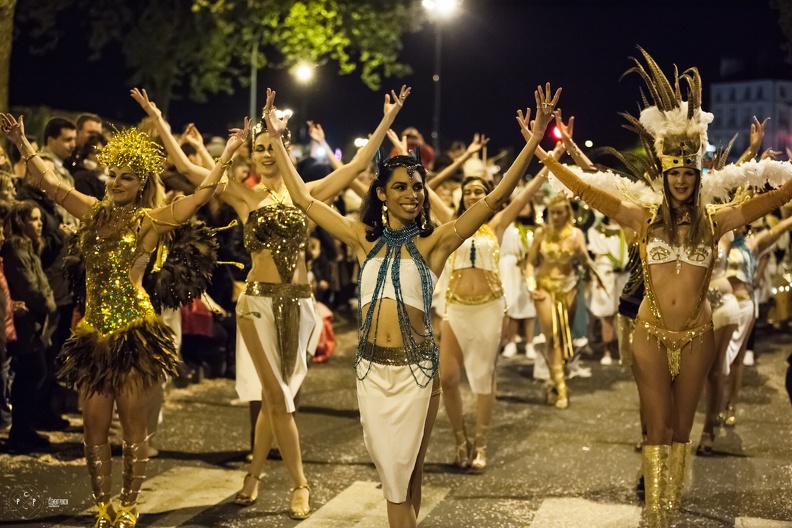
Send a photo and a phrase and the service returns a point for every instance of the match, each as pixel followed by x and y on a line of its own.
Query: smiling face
pixel 681 184
pixel 404 197
pixel 262 157
pixel 123 185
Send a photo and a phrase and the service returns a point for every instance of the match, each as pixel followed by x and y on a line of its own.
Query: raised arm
pixel 323 215
pixel 732 217
pixel 504 218
pixel 766 239
pixel 75 202
pixel 318 139
pixel 339 179
pixel 192 137
pixel 581 159
pixel 475 146
pixel 755 142
pixel 165 219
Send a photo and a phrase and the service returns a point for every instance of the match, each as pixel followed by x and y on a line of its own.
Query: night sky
pixel 494 54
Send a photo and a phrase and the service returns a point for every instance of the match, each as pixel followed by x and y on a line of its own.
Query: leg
pixel 485 405
pixel 451 365
pixel 544 314
pixel 735 380
pixel 97 415
pixel 284 428
pixel 508 334
pixel 715 380
pixel 133 405
pixel 608 339
pixel 416 481
pixel 29 368
pixel 529 335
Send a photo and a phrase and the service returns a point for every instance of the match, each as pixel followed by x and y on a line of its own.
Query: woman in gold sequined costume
pixel 556 249
pixel 275 314
pixel 121 349
pixel 401 254
pixel 673 344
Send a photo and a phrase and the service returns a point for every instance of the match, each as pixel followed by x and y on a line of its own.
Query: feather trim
pixel 636 191
pixel 718 185
pixel 134 358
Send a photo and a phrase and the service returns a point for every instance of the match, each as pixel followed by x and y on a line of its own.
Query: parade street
pixel 547 467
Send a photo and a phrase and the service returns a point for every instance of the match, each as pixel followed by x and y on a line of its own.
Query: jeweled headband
pixel 134 149
pixel 411 163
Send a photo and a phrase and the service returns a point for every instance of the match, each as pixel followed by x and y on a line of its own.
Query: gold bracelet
pixel 227 164
pixel 488 205
pixel 457 232
pixel 42 179
pixel 29 157
pixel 207 186
pixel 66 195
pixel 309 206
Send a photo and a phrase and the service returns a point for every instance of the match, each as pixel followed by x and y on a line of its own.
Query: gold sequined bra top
pixel 112 300
pixel 283 229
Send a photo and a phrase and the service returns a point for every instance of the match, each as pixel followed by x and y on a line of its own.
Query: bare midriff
pixel 677 295
pixel 471 282
pixel 263 269
pixel 555 270
pixel 387 333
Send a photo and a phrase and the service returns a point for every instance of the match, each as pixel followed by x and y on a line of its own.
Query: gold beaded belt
pixel 394 356
pixel 270 289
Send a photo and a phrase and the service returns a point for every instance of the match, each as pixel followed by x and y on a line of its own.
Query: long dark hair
pixel 670 218
pixel 15 226
pixel 469 179
pixel 371 209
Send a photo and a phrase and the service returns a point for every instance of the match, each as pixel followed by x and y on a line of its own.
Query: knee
pixel 276 403
pixel 658 433
pixel 449 379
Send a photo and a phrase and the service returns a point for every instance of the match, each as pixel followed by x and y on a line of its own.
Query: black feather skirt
pixel 135 358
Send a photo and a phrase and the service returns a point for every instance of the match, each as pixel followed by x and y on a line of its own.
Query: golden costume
pixel 121 341
pixel 282 313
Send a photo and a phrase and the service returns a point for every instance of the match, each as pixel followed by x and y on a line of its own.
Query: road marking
pixel 581 513
pixel 753 522
pixel 362 505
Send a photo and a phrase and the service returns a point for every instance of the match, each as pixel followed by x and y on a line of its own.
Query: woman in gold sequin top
pixel 275 315
pixel 121 349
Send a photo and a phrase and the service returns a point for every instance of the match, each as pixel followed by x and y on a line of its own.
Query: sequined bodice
pixel 283 229
pixel 112 299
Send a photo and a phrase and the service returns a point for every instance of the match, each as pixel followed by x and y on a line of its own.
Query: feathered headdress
pixel 673 129
pixel 134 149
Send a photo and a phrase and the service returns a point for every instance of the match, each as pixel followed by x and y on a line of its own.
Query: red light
pixel 556 133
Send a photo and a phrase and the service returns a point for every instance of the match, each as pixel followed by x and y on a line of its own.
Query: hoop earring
pixel 385 216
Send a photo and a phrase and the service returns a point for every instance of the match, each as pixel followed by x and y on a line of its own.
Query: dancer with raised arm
pixel 275 315
pixel 121 349
pixel 673 344
pixel 401 255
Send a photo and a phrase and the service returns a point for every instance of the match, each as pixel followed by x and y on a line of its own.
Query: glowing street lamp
pixel 361 142
pixel 438 10
pixel 589 143
pixel 304 72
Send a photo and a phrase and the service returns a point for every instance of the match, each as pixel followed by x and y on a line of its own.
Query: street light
pixel 438 10
pixel 304 72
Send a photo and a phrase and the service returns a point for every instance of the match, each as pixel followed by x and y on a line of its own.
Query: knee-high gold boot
pixel 100 468
pixel 654 470
pixel 135 457
pixel 557 373
pixel 677 457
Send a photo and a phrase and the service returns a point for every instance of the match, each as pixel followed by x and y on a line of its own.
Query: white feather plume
pixel 675 123
pixel 716 185
pixel 623 188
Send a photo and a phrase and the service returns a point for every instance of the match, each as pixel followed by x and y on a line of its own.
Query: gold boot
pixel 557 373
pixel 654 470
pixel 677 456
pixel 100 468
pixel 135 457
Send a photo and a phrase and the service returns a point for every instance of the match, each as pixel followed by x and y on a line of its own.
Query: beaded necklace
pixel 393 240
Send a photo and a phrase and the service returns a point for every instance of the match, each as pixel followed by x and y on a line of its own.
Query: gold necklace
pixel 274 195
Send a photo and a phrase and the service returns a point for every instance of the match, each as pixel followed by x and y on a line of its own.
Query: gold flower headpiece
pixel 134 149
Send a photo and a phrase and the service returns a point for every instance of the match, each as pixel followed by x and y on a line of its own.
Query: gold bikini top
pixel 283 229
pixel 553 249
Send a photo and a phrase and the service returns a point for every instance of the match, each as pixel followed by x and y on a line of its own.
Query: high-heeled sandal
pixel 242 499
pixel 705 450
pixel 730 419
pixel 296 513
pixel 463 450
pixel 479 461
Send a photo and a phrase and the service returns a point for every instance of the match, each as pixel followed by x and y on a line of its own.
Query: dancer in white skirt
pixel 275 315
pixel 401 254
pixel 608 246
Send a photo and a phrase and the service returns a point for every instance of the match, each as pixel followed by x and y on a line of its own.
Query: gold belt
pixel 270 289
pixel 394 356
pixel 474 300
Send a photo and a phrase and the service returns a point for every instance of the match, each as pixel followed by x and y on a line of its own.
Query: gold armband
pixel 488 205
pixel 309 206
pixel 29 157
pixel 226 164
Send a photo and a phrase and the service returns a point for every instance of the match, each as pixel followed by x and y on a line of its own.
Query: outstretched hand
pixel 12 129
pixel 524 120
pixel 757 134
pixel 145 103
pixel 238 136
pixel 564 129
pixel 398 100
pixel 275 125
pixel 545 107
pixel 399 143
pixel 479 140
pixel 316 132
pixel 192 136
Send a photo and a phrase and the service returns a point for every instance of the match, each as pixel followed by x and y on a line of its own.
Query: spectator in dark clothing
pixel 87 125
pixel 9 336
pixel 91 178
pixel 27 283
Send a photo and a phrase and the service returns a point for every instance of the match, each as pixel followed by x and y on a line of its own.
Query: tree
pixel 6 32
pixel 784 8
pixel 200 47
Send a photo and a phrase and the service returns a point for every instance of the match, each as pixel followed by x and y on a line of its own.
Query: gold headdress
pixel 673 129
pixel 134 149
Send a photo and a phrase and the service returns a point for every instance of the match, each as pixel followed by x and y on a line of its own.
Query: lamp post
pixel 303 72
pixel 439 10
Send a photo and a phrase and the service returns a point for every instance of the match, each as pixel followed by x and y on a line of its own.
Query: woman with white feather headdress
pixel 678 227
